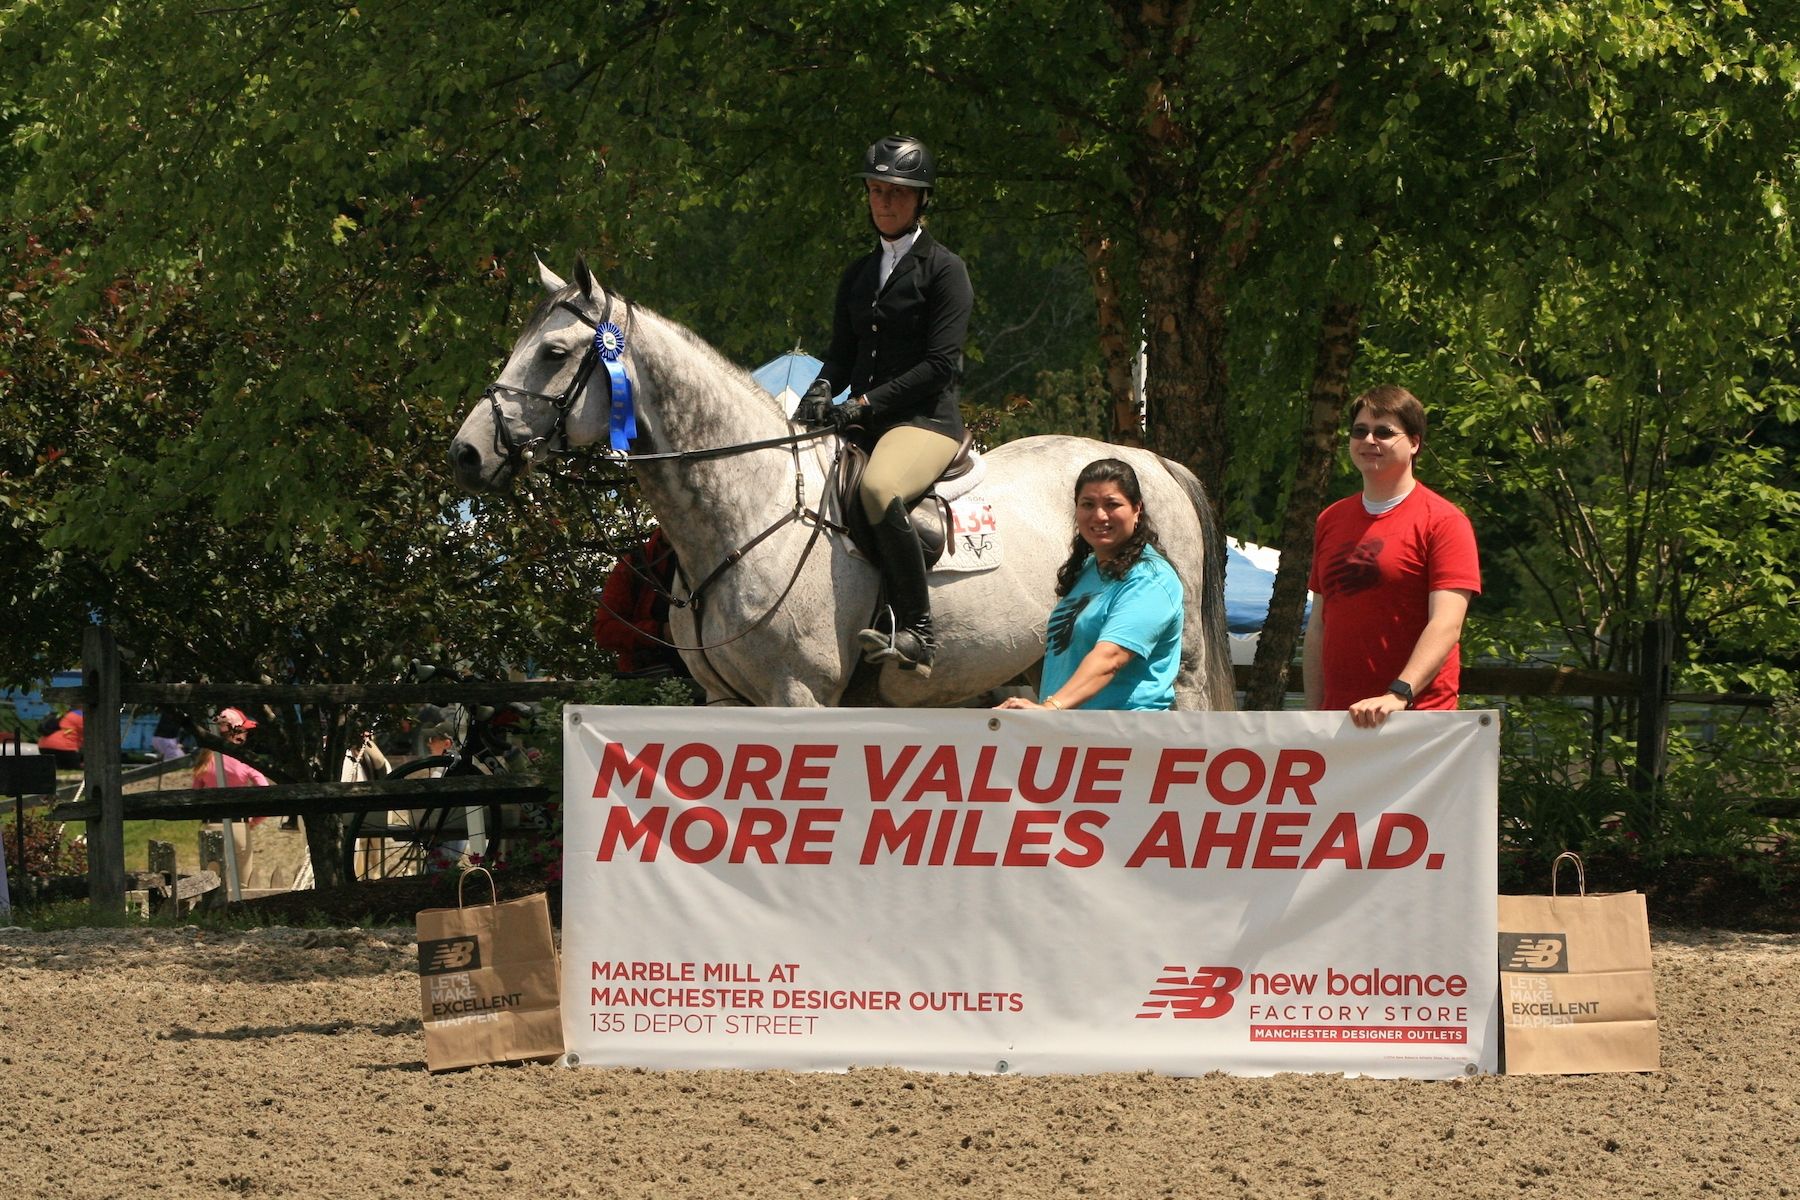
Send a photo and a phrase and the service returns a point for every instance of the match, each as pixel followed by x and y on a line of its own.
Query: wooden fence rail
pixel 106 809
pixel 317 799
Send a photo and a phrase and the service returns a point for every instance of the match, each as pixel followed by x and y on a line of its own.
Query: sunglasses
pixel 1381 433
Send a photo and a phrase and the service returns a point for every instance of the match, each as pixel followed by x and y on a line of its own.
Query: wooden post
pixel 161 856
pixel 100 769
pixel 1654 653
pixel 212 862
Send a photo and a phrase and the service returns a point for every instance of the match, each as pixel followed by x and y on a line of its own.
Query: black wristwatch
pixel 1402 689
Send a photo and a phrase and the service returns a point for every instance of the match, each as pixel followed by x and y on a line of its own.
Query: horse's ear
pixel 552 282
pixel 584 279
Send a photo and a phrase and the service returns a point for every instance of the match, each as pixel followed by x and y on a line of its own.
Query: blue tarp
pixel 134 732
pixel 791 372
pixel 1249 580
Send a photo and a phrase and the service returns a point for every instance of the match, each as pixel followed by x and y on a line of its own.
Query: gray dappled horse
pixel 735 487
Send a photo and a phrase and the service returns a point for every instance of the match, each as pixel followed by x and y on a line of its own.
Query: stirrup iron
pixel 877 646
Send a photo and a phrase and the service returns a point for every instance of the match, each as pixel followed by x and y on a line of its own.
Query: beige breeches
pixel 906 461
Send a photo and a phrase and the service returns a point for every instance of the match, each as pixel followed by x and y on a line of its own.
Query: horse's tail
pixel 1216 682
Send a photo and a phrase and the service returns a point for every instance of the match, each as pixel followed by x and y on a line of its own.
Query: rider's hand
pixel 815 408
pixel 849 413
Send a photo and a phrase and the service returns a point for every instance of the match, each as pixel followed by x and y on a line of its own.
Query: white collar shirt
pixel 892 252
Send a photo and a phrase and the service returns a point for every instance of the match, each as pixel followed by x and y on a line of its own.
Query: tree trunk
pixel 1339 327
pixel 1118 337
pixel 325 848
pixel 1186 389
pixel 325 831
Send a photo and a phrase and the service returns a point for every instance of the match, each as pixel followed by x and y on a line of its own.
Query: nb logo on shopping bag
pixel 1533 952
pixel 444 955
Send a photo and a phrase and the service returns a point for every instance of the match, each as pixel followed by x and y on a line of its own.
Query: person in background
pixel 166 741
pixel 64 742
pixel 897 333
pixel 364 761
pixel 438 744
pixel 1393 571
pixel 212 769
pixel 1115 633
pixel 634 610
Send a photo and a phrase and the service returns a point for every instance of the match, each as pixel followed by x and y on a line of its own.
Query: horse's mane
pixel 724 366
pixel 705 349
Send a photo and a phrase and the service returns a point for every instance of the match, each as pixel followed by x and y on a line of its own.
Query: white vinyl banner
pixel 977 890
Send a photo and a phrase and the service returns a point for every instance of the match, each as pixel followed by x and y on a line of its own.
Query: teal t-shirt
pixel 1141 613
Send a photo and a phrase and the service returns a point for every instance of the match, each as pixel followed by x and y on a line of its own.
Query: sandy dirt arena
pixel 289 1062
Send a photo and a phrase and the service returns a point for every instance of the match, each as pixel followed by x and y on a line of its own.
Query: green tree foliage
pixel 1568 226
pixel 1606 327
pixel 103 518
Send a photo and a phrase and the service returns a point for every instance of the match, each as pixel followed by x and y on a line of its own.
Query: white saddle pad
pixel 971 544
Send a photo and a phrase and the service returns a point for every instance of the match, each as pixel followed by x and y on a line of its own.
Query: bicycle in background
pixel 418 841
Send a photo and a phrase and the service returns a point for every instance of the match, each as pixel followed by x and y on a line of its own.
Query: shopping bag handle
pixel 492 890
pixel 1580 872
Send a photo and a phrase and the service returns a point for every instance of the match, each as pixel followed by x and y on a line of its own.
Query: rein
pixel 697 592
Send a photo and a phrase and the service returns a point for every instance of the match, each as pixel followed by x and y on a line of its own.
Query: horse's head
pixel 542 399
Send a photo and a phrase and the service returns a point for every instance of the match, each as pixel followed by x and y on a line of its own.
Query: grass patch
pixel 139 834
pixel 58 915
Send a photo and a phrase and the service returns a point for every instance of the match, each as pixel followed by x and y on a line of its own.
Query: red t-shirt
pixel 1376 575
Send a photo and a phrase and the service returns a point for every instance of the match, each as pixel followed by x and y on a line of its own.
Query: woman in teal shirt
pixel 1115 633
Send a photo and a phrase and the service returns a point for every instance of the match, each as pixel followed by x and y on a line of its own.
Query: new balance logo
pixel 1533 952
pixel 444 955
pixel 1201 994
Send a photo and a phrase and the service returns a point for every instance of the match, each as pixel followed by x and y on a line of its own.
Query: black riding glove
pixel 815 408
pixel 849 413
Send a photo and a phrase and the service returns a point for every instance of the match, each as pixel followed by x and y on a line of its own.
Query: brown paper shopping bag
pixel 488 981
pixel 1575 984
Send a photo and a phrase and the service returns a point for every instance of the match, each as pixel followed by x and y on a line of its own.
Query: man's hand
pixel 1370 713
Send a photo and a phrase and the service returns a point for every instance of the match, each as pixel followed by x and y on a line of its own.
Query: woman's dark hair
pixel 1109 470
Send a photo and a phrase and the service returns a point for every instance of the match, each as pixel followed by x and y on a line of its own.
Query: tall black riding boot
pixel 902 564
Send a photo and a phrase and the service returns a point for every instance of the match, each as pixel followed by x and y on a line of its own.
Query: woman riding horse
pixel 896 342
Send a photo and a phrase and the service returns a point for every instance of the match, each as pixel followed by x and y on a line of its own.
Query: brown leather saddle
pixel 930 513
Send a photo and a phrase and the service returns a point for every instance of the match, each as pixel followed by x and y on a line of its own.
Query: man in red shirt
pixel 1393 571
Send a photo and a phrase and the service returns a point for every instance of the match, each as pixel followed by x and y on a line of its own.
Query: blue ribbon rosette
pixel 609 342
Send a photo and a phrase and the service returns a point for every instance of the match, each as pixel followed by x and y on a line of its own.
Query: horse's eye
pixel 550 351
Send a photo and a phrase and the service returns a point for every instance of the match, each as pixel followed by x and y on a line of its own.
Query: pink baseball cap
pixel 234 718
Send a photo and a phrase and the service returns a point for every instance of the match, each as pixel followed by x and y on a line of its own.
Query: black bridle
pixel 520 455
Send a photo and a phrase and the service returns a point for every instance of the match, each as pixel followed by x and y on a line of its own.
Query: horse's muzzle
pixel 467 465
